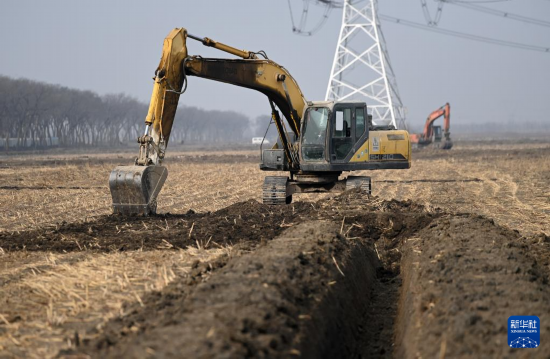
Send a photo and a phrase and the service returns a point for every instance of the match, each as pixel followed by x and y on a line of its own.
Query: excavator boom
pixel 264 76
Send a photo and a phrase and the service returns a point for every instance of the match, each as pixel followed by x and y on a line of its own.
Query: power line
pixel 466 36
pixel 431 23
pixel 299 29
pixel 472 6
pixel 481 1
pixel 427 15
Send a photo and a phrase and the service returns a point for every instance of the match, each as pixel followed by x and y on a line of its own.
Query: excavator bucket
pixel 135 189
pixel 447 145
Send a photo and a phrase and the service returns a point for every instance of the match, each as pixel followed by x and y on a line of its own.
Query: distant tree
pixel 36 114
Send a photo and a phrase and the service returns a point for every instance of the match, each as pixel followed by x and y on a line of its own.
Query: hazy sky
pixel 114 46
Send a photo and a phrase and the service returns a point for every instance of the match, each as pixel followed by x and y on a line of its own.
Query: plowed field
pixel 431 265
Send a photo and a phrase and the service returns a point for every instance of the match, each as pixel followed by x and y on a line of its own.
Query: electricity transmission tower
pixel 361 69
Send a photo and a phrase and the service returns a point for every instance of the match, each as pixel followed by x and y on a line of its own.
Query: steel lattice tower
pixel 361 69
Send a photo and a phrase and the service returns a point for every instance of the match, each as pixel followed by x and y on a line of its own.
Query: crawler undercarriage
pixel 279 189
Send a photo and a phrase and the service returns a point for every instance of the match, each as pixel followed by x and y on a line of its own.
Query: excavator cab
pixel 330 134
pixel 335 138
pixel 332 131
pixel 438 133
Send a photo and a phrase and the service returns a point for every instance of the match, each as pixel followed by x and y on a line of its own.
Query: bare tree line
pixel 35 114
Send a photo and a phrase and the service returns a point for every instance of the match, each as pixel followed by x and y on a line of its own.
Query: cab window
pixel 342 126
pixel 314 134
pixel 360 124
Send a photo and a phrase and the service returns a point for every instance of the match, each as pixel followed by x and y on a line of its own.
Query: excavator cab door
pixel 342 133
pixel 349 130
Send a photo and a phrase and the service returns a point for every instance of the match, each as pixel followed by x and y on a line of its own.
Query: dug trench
pixel 349 276
pixel 291 294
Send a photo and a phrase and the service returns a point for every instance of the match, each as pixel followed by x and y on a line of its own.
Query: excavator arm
pixel 169 76
pixel 266 77
pixel 134 188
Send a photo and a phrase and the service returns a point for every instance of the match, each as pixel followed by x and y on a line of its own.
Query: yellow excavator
pixel 317 143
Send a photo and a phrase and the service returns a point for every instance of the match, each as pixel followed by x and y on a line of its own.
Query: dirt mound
pixel 463 277
pixel 246 222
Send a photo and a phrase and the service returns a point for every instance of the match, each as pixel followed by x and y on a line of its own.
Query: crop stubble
pixel 508 184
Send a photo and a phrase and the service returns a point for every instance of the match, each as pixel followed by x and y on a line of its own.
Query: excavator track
pixel 362 182
pixel 275 191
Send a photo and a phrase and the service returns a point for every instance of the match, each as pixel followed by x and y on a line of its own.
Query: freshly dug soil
pixel 247 221
pixel 463 277
pixel 290 297
pixel 318 290
pixel 348 276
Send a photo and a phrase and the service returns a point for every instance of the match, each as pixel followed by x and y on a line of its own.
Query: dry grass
pixel 44 296
pixel 45 195
pixel 39 195
pixel 54 297
pixel 514 191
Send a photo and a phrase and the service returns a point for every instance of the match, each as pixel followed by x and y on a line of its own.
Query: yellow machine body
pixel 384 146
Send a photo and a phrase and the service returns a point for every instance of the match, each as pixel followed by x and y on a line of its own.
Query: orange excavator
pixel 432 135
